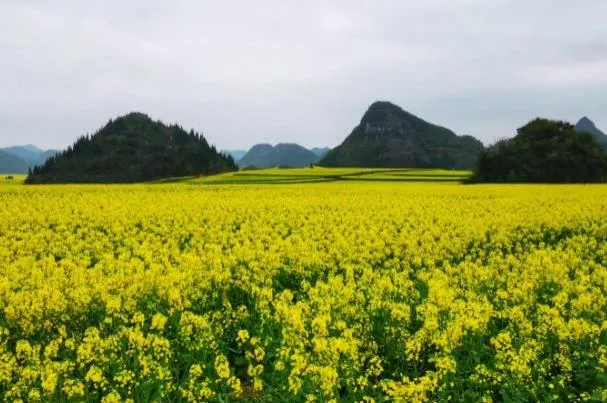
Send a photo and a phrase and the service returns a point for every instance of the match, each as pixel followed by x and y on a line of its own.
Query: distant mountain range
pixel 133 148
pixel 388 136
pixel 320 151
pixel 18 159
pixel 282 155
pixel 587 125
pixel 236 154
pixel 11 164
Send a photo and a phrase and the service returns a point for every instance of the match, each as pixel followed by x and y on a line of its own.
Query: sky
pixel 245 72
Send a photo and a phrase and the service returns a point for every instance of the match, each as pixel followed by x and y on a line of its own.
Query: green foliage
pixel 544 151
pixel 133 148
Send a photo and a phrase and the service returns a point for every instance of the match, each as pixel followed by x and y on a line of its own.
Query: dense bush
pixel 544 151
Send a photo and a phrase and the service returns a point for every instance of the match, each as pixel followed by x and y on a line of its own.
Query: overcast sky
pixel 245 72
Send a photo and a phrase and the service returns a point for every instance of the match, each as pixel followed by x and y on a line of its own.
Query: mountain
pixel 281 155
pixel 258 156
pixel 588 126
pixel 387 136
pixel 133 148
pixel 236 154
pixel 31 154
pixel 320 151
pixel 544 151
pixel 11 164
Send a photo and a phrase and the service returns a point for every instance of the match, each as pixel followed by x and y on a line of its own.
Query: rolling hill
pixel 388 136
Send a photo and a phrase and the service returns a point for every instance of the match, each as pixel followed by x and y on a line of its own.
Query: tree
pixel 544 151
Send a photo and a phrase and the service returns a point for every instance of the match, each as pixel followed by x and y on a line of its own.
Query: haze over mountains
pixel 236 154
pixel 17 159
pixel 11 164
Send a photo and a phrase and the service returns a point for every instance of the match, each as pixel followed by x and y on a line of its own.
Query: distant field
pixel 17 179
pixel 308 175
pixel 318 174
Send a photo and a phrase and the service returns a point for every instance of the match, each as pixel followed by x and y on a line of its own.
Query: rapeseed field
pixel 340 291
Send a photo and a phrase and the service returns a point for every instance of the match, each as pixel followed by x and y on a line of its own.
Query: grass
pixel 320 174
pixel 306 175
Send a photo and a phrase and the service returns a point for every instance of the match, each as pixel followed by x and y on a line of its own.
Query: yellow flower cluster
pixel 318 292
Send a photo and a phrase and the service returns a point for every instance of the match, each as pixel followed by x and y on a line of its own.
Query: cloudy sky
pixel 273 71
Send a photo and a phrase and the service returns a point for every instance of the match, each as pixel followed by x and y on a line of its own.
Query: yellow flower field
pixel 311 292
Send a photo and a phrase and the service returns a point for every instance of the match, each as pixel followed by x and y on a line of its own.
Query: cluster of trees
pixel 544 151
pixel 133 148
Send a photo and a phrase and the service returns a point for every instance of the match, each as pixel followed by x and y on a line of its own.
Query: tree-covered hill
pixel 544 151
pixel 133 148
pixel 390 137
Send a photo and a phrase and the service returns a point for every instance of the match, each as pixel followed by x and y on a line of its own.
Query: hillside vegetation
pixel 544 151
pixel 133 148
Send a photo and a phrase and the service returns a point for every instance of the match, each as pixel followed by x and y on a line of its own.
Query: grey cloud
pixel 285 70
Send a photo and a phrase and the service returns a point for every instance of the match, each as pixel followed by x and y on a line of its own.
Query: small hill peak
pixel 587 125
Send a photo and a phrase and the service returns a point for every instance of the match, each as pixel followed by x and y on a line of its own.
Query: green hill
pixel 544 151
pixel 282 155
pixel 11 164
pixel 388 136
pixel 133 148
